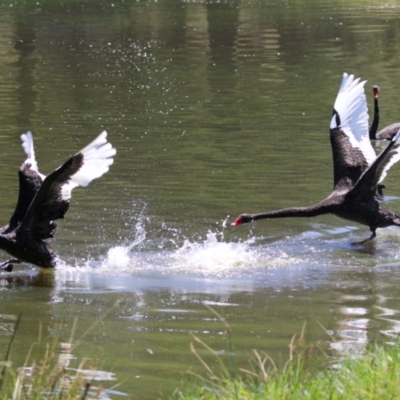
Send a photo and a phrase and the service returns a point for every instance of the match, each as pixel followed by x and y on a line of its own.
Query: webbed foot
pixel 9 264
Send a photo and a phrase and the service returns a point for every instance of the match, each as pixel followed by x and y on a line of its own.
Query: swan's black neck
pixel 375 123
pixel 311 211
pixel 325 207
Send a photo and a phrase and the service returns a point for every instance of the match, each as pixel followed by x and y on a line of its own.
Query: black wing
pixel 53 198
pixel 351 147
pixel 49 204
pixel 376 173
pixel 30 180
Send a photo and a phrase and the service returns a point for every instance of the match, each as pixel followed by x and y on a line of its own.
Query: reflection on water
pixel 215 108
pixel 7 328
pixel 154 293
pixel 65 377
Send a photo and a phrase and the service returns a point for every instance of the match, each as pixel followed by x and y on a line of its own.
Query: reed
pixel 309 373
pixel 47 375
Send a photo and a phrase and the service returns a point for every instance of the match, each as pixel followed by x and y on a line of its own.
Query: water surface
pixel 215 108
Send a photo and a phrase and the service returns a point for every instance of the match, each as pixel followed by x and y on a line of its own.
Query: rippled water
pixel 215 108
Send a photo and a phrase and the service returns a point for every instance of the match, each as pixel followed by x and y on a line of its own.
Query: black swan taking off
pixel 357 170
pixel 42 200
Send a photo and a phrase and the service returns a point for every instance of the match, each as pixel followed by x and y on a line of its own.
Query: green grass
pixel 374 376
pixel 46 374
pixel 309 373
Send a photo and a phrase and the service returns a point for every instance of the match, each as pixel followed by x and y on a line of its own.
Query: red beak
pixel 376 92
pixel 237 221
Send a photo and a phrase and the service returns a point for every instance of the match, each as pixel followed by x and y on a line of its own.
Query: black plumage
pixel 43 200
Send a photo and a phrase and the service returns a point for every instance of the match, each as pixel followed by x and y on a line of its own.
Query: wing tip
pixel 27 143
pixel 97 159
pixel 352 114
pixel 396 137
pixel 351 103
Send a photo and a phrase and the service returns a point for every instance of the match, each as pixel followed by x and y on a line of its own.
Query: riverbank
pixel 375 374
pixel 309 373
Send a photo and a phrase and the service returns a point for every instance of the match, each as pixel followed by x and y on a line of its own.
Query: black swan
pixel 385 133
pixel 356 168
pixel 42 200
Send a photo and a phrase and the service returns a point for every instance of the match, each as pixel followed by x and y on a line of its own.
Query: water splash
pixel 118 257
pixel 210 256
pixel 170 253
pixel 214 255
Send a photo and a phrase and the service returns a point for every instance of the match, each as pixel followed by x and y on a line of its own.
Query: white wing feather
pixel 97 158
pixel 27 144
pixel 351 105
pixel 395 156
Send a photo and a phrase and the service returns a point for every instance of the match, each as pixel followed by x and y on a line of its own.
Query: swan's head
pixel 376 91
pixel 242 219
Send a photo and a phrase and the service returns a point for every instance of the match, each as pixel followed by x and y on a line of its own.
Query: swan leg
pixel 370 238
pixel 9 264
pixel 373 235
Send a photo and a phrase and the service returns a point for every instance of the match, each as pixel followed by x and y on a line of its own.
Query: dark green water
pixel 215 108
